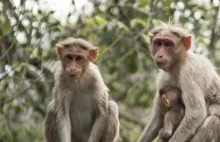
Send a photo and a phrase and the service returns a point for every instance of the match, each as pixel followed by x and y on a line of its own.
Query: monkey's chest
pixel 82 114
pixel 168 80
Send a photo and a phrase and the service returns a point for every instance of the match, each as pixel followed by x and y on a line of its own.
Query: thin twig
pixel 7 51
pixel 12 69
pixel 26 89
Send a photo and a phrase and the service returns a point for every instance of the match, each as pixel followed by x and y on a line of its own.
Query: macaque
pixel 196 76
pixel 80 110
pixel 172 111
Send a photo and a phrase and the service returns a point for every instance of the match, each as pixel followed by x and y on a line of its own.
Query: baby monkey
pixel 173 111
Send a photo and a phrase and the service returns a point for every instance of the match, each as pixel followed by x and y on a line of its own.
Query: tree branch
pixel 133 120
pixel 213 35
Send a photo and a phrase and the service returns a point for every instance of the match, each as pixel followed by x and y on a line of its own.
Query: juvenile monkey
pixel 80 110
pixel 172 111
pixel 196 76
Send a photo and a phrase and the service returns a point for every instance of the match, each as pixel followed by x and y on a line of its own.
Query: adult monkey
pixel 195 76
pixel 80 110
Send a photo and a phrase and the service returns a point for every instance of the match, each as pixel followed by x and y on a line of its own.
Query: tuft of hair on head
pixel 77 42
pixel 176 29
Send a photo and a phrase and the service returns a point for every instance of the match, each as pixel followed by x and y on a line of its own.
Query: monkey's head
pixel 168 44
pixel 170 95
pixel 75 55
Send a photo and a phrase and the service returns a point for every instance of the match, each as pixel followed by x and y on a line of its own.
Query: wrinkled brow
pixel 75 45
pixel 177 34
pixel 174 32
pixel 66 45
pixel 154 32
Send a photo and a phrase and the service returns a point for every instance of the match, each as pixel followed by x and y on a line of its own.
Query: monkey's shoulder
pixel 198 70
pixel 196 66
pixel 97 78
pixel 195 69
pixel 194 62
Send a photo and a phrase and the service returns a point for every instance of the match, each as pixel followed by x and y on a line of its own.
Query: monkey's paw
pixel 164 134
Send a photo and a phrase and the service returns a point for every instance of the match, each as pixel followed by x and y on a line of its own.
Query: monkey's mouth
pixel 161 65
pixel 72 76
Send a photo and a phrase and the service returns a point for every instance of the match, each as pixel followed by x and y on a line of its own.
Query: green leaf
pixel 100 20
pixel 133 22
pixel 137 21
pixel 19 66
pixel 143 3
pixel 157 22
pixel 2 19
pixel 89 20
pixel 122 26
pixel 145 37
pixel 6 26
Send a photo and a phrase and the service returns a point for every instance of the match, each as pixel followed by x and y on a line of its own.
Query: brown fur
pixel 80 110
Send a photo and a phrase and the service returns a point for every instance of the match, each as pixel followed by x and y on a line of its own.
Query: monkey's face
pixel 75 55
pixel 167 46
pixel 163 51
pixel 75 62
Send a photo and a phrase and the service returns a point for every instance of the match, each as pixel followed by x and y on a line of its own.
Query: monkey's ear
pixel 150 36
pixel 187 42
pixel 93 54
pixel 59 49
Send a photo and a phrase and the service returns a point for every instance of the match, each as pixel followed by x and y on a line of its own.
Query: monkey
pixel 80 110
pixel 195 75
pixel 172 110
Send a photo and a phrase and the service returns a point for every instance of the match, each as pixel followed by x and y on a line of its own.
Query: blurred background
pixel 29 30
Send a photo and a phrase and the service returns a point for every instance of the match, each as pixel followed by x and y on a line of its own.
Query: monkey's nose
pixel 159 56
pixel 73 69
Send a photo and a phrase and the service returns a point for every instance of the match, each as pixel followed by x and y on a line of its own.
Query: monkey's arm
pixel 195 112
pixel 62 107
pixel 100 122
pixel 155 123
pixel 51 132
pixel 57 125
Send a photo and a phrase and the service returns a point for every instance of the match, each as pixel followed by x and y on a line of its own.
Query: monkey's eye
pixel 79 58
pixel 157 43
pixel 168 44
pixel 69 57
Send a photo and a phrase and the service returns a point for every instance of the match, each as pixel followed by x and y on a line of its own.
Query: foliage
pixel 28 33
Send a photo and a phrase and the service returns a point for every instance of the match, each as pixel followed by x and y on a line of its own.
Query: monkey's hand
pixel 164 134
